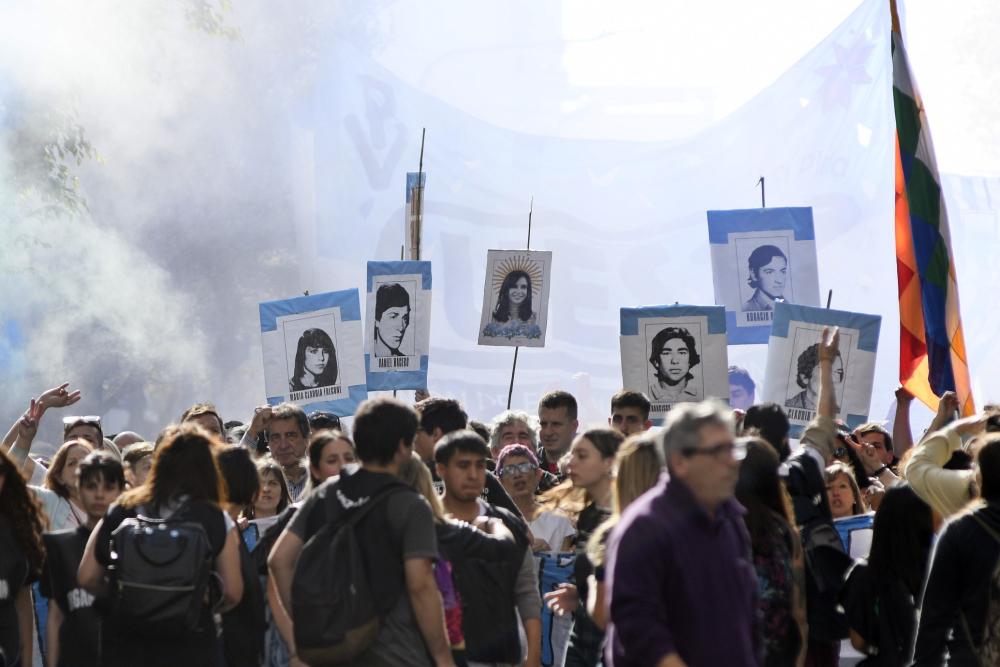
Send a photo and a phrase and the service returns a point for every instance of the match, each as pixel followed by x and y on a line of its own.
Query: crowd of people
pixel 422 537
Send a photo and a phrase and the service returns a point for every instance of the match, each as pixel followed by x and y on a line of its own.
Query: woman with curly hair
pixel 22 555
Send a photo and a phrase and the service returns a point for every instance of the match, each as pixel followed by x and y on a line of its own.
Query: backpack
pixel 989 649
pixel 160 570
pixel 332 602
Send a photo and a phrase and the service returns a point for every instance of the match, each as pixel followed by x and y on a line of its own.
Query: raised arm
pixel 829 348
pixel 947 407
pixel 902 436
pixel 946 491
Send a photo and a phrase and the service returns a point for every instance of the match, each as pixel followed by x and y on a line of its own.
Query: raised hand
pixel 829 344
pixel 947 405
pixel 903 395
pixel 58 397
pixel 869 458
pixel 27 425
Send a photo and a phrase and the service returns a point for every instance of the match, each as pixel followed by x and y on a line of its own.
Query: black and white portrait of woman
pixel 514 299
pixel 315 361
pixel 768 276
pixel 392 318
pixel 808 380
pixel 673 353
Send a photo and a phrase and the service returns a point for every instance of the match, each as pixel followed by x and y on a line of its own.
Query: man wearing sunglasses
pixel 679 572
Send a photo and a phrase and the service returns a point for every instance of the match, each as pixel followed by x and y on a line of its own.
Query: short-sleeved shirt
pixel 553 528
pixel 202 646
pixel 411 535
pixel 13 576
pixel 80 630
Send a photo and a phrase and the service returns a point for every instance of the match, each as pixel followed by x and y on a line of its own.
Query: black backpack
pixel 332 602
pixel 160 570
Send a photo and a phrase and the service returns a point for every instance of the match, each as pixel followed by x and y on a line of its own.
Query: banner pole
pixel 513 368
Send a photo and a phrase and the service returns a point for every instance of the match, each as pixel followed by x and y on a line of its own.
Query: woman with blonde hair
pixel 591 472
pixel 638 464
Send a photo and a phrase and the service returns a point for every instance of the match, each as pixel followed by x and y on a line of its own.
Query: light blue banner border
pixel 799 219
pixel 868 326
pixel 349 302
pixel 721 224
pixel 630 316
pixel 390 380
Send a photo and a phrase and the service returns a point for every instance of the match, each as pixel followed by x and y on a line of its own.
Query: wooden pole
pixel 513 368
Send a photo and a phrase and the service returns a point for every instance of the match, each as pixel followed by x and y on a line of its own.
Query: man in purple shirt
pixel 680 577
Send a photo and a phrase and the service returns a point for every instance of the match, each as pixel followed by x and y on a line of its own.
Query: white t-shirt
pixel 553 528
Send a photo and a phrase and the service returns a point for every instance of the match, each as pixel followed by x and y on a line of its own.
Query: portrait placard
pixel 674 354
pixel 792 376
pixel 398 317
pixel 516 298
pixel 312 351
pixel 761 257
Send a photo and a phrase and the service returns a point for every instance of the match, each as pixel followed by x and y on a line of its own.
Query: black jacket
pixel 826 560
pixel 958 584
pixel 486 579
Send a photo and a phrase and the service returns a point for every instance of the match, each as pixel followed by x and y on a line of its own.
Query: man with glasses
pixel 679 574
pixel 520 474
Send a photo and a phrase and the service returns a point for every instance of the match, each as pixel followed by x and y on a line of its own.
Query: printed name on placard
pixel 800 415
pixel 394 362
pixel 332 390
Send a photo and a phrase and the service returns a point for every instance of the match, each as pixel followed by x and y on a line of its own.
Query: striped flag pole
pixel 932 355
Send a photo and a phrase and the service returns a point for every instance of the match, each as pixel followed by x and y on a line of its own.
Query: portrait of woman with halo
pixel 517 283
pixel 315 361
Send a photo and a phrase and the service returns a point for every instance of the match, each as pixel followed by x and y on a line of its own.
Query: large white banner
pixel 674 354
pixel 792 378
pixel 312 351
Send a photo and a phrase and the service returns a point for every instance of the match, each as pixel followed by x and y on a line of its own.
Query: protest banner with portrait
pixel 516 298
pixel 761 257
pixel 792 375
pixel 313 353
pixel 398 317
pixel 674 354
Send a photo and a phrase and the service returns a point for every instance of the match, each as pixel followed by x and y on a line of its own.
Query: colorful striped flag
pixel 932 356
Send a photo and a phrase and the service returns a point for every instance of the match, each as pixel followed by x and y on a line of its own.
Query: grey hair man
pixel 675 584
pixel 513 427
